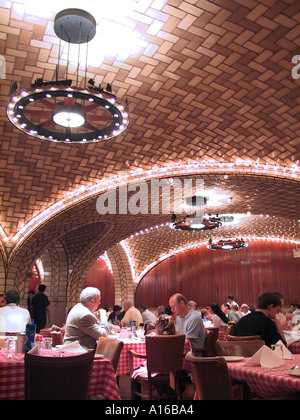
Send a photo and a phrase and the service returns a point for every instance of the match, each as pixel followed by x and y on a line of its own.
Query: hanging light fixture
pixel 227 244
pixel 57 111
pixel 197 223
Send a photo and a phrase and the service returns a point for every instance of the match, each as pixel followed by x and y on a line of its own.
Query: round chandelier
pixel 197 223
pixel 227 244
pixel 56 111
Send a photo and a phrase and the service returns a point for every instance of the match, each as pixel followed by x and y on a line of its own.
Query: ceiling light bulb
pixel 68 119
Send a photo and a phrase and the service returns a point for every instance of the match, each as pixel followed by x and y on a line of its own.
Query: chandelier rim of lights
pixel 16 112
pixel 36 111
pixel 227 244
pixel 197 224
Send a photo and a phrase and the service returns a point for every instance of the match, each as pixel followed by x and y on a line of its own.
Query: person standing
pixel 40 308
pixel 189 322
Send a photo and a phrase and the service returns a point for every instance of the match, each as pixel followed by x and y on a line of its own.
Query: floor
pixel 124 385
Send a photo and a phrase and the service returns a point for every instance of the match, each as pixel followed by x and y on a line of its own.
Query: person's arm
pixel 279 328
pixel 89 325
pixel 48 313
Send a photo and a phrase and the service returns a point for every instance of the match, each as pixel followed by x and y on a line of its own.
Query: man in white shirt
pixel 149 317
pixel 12 317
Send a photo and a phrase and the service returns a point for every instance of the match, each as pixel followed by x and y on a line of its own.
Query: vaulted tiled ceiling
pixel 206 81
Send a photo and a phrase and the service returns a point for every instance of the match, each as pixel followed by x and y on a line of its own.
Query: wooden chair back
pixel 58 378
pixel 238 348
pixel 111 350
pixel 211 378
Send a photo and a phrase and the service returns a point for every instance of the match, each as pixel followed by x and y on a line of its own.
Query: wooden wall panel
pixel 209 276
pixel 99 276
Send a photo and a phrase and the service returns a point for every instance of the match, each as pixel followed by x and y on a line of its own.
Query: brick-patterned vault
pixel 214 92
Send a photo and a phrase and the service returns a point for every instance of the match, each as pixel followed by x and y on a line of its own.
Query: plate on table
pixel 98 356
pixel 233 358
pixel 294 372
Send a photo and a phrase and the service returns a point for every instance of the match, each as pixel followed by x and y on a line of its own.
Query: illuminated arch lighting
pixel 104 257
pixel 115 181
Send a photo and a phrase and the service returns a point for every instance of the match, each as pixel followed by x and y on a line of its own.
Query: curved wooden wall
pixel 210 276
pixel 99 276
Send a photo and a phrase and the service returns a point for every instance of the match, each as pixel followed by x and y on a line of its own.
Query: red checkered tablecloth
pixel 103 379
pixel 267 384
pixel 295 348
pixel 222 336
pixel 139 347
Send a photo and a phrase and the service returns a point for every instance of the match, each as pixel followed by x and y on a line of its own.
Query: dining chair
pixel 211 377
pixel 111 349
pixel 209 349
pixel 243 338
pixel 230 328
pixel 58 378
pixel 164 357
pixel 238 348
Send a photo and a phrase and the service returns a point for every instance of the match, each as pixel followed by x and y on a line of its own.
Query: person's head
pixel 279 295
pixel 235 308
pixel 192 304
pixel 143 308
pixel 31 293
pixel 204 313
pixel 230 298
pixel 91 298
pixel 117 309
pixel 12 296
pixel 128 304
pixel 160 309
pixel 225 308
pixel 165 325
pixel 178 304
pixel 269 303
pixel 292 307
pixel 2 301
pixel 215 309
pixel 42 288
pixel 244 308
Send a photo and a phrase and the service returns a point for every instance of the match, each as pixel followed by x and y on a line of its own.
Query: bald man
pixel 189 321
pixel 131 314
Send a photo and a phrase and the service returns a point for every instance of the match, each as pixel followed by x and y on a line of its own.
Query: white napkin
pixel 266 358
pixel 35 350
pixel 74 347
pixel 291 337
pixel 282 351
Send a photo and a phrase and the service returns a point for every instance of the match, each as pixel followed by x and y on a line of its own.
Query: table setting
pixel 270 373
pixel 103 379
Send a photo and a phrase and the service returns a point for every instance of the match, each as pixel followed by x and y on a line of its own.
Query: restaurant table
pixel 139 346
pixel 12 376
pixel 295 347
pixel 267 384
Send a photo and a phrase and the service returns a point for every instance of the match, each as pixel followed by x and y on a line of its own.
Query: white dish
pixel 98 356
pixel 233 358
pixel 294 372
